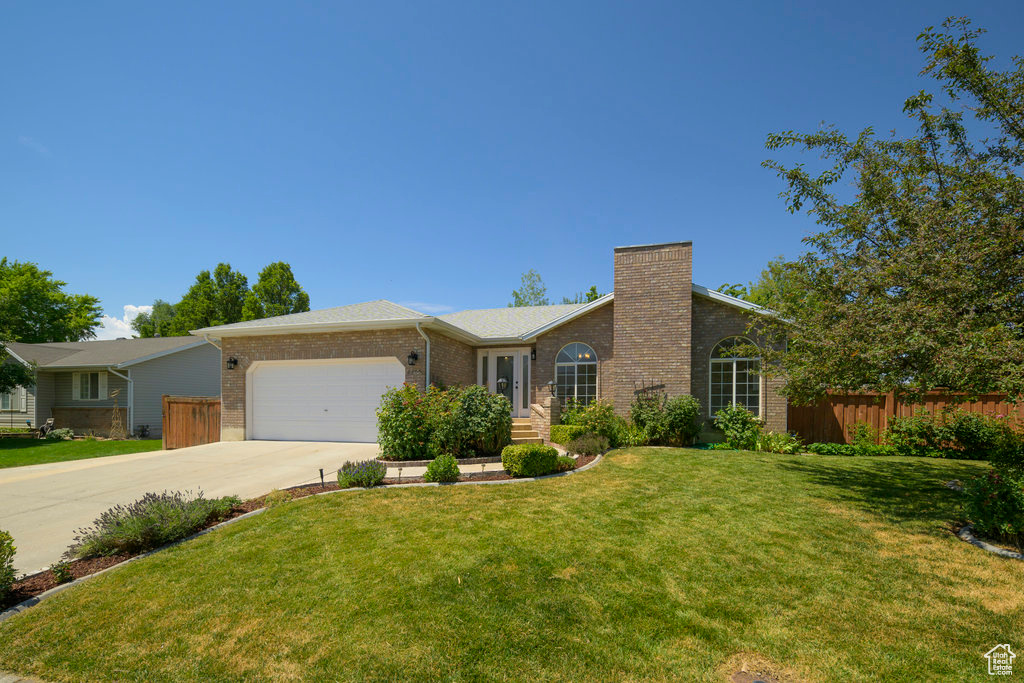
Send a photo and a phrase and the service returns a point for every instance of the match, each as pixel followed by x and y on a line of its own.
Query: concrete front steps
pixel 522 431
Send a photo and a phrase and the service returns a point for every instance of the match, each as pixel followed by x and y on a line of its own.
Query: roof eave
pixel 714 295
pixel 304 328
pixel 158 354
pixel 568 317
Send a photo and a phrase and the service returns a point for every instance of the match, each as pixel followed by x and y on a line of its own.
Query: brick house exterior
pixel 656 329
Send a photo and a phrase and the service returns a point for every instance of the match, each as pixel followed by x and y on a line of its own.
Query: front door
pixel 507 371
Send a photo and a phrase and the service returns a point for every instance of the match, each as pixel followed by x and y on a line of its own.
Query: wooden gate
pixel 190 421
pixel 830 419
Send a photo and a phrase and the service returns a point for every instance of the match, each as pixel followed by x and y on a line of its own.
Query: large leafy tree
pixel 214 299
pixel 276 292
pixel 778 280
pixel 35 308
pixel 531 292
pixel 917 280
pixel 158 322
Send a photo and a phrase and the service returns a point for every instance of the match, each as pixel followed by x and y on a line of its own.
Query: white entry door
pixel 319 400
pixel 507 371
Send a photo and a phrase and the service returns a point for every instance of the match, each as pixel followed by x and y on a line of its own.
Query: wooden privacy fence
pixel 190 421
pixel 831 418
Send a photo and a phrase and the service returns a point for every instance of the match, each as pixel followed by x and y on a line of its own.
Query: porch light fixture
pixel 551 387
pixel 232 362
pixel 413 357
pixel 533 354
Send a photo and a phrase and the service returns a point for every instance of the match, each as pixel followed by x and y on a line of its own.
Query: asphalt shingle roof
pixel 370 311
pixel 101 353
pixel 507 322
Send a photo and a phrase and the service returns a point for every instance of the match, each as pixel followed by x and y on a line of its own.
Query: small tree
pixel 531 292
pixel 583 297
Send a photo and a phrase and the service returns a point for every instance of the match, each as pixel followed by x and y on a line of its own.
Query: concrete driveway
pixel 43 505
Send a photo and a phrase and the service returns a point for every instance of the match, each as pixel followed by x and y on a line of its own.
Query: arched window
pixel 576 373
pixel 735 376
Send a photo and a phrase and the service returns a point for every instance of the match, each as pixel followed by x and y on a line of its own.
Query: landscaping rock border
pixel 967 534
pixel 35 600
pixel 424 463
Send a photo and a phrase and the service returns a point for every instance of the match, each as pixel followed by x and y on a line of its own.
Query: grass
pixel 655 564
pixel 18 452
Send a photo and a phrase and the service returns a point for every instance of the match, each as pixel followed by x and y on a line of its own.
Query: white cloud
pixel 427 308
pixel 26 141
pixel 112 328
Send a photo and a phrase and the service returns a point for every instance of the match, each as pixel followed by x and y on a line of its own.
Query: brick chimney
pixel 653 294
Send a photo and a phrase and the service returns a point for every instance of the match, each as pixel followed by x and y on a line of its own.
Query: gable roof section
pixel 104 353
pixel 479 326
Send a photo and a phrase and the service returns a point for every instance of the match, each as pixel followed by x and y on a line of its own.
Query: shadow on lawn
pixel 900 491
pixel 15 444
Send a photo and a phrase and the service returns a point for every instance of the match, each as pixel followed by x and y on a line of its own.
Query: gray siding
pixel 195 372
pixel 44 397
pixel 16 418
pixel 62 391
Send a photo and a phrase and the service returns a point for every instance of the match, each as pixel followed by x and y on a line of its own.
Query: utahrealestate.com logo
pixel 1000 660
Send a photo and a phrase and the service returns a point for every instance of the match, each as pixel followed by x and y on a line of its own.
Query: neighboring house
pixel 75 380
pixel 319 375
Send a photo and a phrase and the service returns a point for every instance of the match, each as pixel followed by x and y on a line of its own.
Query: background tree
pixel 583 297
pixel 215 299
pixel 779 280
pixel 276 292
pixel 531 292
pixel 35 308
pixel 158 321
pixel 918 282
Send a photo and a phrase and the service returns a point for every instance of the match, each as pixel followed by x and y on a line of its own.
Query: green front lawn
pixel 656 563
pixel 18 452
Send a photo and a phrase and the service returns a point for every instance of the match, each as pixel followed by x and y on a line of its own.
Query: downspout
pixel 207 339
pixel 131 397
pixel 426 385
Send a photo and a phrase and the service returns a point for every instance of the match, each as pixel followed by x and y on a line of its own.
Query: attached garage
pixel 319 400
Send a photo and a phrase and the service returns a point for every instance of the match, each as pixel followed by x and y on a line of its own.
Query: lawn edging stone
pixel 966 533
pixel 36 599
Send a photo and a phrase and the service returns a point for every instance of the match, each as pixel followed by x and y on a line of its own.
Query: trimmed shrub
pixel 563 434
pixel 740 426
pixel 152 521
pixel 62 434
pixel 588 444
pixel 6 562
pixel 565 463
pixel 443 468
pixel 365 473
pixel 529 459
pixel 994 504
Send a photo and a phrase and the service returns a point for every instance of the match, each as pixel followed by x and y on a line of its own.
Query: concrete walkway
pixel 42 506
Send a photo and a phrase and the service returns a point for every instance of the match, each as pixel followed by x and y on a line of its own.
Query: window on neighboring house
pixel 14 400
pixel 576 374
pixel 88 386
pixel 735 376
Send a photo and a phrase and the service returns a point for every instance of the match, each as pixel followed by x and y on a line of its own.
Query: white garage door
pixel 332 400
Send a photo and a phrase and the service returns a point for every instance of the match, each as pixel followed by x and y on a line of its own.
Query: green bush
pixel 572 412
pixel 6 562
pixel 599 418
pixel 740 426
pixel 850 449
pixel 62 434
pixel 463 421
pixel 982 437
pixel 563 434
pixel 634 436
pixel 588 444
pixel 863 434
pixel 565 463
pixel 917 435
pixel 61 572
pixel 443 468
pixel 994 504
pixel 365 473
pixel 529 459
pixel 154 520
pixel 664 421
pixel 775 442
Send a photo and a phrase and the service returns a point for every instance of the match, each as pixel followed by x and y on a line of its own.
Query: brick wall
pixel 595 329
pixel 652 331
pixel 88 421
pixel 452 363
pixel 713 322
pixel 364 344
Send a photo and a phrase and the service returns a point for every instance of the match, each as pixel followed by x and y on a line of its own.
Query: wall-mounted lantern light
pixel 551 387
pixel 232 362
pixel 533 354
pixel 413 357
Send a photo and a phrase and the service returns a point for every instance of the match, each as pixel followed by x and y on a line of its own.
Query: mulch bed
pixel 35 584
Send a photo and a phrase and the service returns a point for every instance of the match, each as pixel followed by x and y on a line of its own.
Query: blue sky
pixel 428 152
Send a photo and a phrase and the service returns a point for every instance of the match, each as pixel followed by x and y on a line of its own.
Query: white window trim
pixel 575 366
pixel 19 398
pixel 733 361
pixel 76 386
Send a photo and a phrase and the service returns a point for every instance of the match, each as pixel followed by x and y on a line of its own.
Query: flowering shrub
pixel 462 421
pixel 63 434
pixel 365 473
pixel 994 504
pixel 443 468
pixel 154 520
